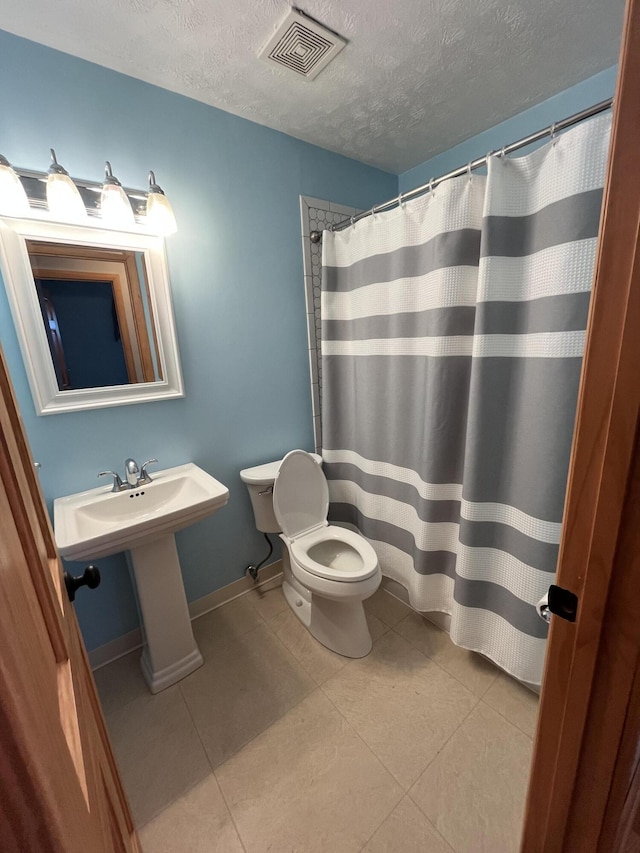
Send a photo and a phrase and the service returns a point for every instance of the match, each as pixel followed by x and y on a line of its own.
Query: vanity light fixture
pixel 63 199
pixel 25 192
pixel 160 216
pixel 114 204
pixel 13 198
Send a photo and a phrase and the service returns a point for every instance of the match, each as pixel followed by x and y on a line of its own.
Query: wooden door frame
pixel 59 786
pixel 588 729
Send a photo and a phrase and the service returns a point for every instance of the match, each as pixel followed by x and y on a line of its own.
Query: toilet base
pixel 339 625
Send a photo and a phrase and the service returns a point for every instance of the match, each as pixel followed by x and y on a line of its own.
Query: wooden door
pixel 59 787
pixel 583 779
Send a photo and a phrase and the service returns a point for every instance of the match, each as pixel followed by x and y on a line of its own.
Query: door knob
pixel 90 577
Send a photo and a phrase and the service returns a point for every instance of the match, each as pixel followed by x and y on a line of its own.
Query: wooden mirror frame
pixel 15 266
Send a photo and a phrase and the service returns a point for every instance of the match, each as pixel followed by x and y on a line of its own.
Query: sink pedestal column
pixel 170 651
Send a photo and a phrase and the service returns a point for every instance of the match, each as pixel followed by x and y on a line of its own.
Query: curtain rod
pixel 594 110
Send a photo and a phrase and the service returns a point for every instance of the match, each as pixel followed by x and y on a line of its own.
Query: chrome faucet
pixel 134 476
pixel 131 472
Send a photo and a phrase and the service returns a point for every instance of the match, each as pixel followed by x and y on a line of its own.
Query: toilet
pixel 328 571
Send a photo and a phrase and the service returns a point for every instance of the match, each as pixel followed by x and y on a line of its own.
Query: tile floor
pixel 277 744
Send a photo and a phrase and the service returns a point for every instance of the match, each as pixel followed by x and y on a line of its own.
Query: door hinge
pixel 563 603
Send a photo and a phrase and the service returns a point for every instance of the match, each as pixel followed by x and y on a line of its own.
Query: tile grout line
pixel 228 807
pixel 284 714
pixel 440 667
pixel 212 768
pixel 310 674
pixel 332 703
pixel 480 697
pixel 319 687
pixel 458 727
pixel 438 664
pixel 375 757
pixel 506 719
pixel 277 720
pixel 264 622
pixel 476 703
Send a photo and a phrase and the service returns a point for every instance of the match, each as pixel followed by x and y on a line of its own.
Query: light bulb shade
pixel 160 216
pixel 63 199
pixel 13 198
pixel 115 207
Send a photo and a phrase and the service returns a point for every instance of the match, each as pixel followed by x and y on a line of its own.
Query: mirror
pixel 95 309
pixel 92 309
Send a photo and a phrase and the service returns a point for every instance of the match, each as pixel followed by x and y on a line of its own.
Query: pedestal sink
pixel 142 521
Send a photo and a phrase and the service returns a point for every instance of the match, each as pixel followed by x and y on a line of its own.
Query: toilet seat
pixel 301 504
pixel 336 554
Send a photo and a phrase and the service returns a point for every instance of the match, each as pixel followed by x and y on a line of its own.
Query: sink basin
pixel 99 522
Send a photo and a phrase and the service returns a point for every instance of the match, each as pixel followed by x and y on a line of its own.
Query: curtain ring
pixel 401 201
pixel 503 153
pixel 469 170
pixel 431 186
pixel 552 133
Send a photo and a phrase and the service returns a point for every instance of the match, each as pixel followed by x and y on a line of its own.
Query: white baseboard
pixel 121 646
pixel 115 649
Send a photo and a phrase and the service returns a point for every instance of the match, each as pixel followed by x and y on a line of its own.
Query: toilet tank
pixel 259 480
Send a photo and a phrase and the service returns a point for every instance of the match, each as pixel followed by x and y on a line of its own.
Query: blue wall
pixel 236 274
pixel 572 100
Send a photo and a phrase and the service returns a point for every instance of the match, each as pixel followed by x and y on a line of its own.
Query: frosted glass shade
pixel 115 208
pixel 13 198
pixel 63 199
pixel 160 216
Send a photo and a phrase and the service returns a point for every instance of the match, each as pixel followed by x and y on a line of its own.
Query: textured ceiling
pixel 417 76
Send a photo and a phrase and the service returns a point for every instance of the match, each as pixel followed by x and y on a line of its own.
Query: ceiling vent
pixel 301 45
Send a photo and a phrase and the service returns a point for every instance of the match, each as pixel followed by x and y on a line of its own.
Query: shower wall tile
pixel 316 215
pixel 342 209
pixel 323 204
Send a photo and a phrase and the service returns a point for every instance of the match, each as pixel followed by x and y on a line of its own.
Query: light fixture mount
pixel 109 177
pixel 153 187
pixel 55 168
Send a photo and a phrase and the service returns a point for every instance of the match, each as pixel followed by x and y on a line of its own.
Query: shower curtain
pixel 453 329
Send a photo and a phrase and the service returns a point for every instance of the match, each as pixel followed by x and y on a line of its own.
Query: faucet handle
pixel 144 477
pixel 117 482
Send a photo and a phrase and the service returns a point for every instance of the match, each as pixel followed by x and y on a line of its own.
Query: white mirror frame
pixel 27 316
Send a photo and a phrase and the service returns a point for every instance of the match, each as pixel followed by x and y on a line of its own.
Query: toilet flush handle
pixel 267 491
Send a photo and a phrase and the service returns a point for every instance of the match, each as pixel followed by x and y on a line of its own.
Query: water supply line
pixel 252 571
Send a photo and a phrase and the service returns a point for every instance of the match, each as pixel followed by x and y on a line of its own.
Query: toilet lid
pixel 300 494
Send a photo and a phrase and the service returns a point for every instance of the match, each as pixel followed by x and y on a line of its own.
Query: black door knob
pixel 90 577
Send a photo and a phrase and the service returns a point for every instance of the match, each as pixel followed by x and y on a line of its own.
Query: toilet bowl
pixel 328 571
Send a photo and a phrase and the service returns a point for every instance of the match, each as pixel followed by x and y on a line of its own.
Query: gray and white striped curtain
pixel 453 330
